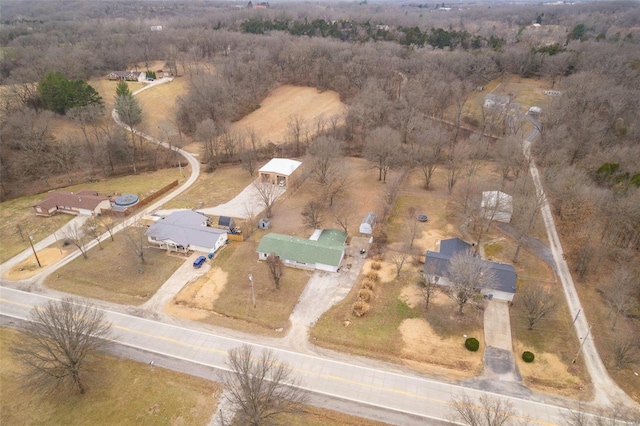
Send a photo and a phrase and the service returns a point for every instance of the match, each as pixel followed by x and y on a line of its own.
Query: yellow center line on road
pixel 305 372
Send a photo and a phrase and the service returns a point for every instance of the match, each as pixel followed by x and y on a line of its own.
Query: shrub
pixel 360 308
pixel 528 356
pixel 365 294
pixel 376 266
pixel 373 276
pixel 472 344
pixel 368 284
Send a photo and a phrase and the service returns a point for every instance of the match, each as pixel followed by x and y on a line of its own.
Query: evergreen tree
pixel 60 94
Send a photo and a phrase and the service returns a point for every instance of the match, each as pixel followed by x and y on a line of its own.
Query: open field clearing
pixel 527 92
pixel 158 106
pixel 129 282
pixel 222 296
pixel 285 102
pixel 20 212
pixel 212 189
pixel 125 393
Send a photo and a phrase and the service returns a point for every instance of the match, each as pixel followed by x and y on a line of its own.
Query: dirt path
pixel 323 290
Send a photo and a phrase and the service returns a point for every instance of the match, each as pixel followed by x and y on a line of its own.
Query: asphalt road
pixel 387 389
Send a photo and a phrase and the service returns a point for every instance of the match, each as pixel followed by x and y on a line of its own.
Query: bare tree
pixel 492 411
pixel 382 148
pixel 335 186
pixel 324 151
pixel 576 416
pixel 260 387
pixel 623 296
pixel 136 240
pixel 93 229
pixel 312 214
pixel 207 133
pixel 428 154
pixel 625 350
pixel 535 302
pixel 413 226
pixel 343 215
pixel 276 268
pixel 249 152
pixel 267 195
pixel 77 236
pixel 108 223
pixel 58 344
pixel 398 259
pixel 428 284
pixel 297 133
pixel 468 275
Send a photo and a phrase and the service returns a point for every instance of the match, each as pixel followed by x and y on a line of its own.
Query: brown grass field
pixel 19 211
pixel 223 295
pixel 126 284
pixel 124 393
pixel 212 189
pixel 132 393
pixel 271 119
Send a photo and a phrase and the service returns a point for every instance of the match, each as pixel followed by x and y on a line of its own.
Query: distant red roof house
pixel 85 202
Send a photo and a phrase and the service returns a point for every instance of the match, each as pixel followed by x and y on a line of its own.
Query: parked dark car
pixel 199 262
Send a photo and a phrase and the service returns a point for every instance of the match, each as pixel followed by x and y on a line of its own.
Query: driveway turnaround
pixel 415 395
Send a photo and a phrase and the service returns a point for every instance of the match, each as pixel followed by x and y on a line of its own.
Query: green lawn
pixel 375 334
pixel 124 393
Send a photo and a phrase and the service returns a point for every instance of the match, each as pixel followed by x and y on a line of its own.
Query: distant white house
pixel 156 28
pixel 184 231
pixel 280 171
pixel 128 76
pixel 497 205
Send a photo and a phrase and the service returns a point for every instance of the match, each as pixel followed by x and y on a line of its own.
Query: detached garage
pixel 280 171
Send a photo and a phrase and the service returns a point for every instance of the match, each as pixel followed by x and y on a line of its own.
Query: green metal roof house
pixel 323 251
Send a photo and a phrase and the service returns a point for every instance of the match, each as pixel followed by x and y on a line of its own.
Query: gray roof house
pixel 437 264
pixel 186 230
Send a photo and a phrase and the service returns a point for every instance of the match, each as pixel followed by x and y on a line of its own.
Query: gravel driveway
pixel 245 204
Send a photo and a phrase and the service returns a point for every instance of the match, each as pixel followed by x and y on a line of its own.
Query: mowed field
pixel 286 102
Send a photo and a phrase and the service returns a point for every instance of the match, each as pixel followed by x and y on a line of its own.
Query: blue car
pixel 199 262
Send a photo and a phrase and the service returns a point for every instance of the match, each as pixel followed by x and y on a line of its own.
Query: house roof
pixel 186 218
pixel 185 228
pixel 452 246
pixel 327 249
pixel 437 263
pixel 281 166
pixel 85 199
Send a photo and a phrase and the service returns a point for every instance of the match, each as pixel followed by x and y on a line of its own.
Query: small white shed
pixel 369 221
pixel 496 205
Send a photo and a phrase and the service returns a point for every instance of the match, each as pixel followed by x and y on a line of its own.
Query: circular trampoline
pixel 126 200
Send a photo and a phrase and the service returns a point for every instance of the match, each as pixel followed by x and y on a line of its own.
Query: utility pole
pixel 34 251
pixel 253 294
pixel 576 318
pixel 581 345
